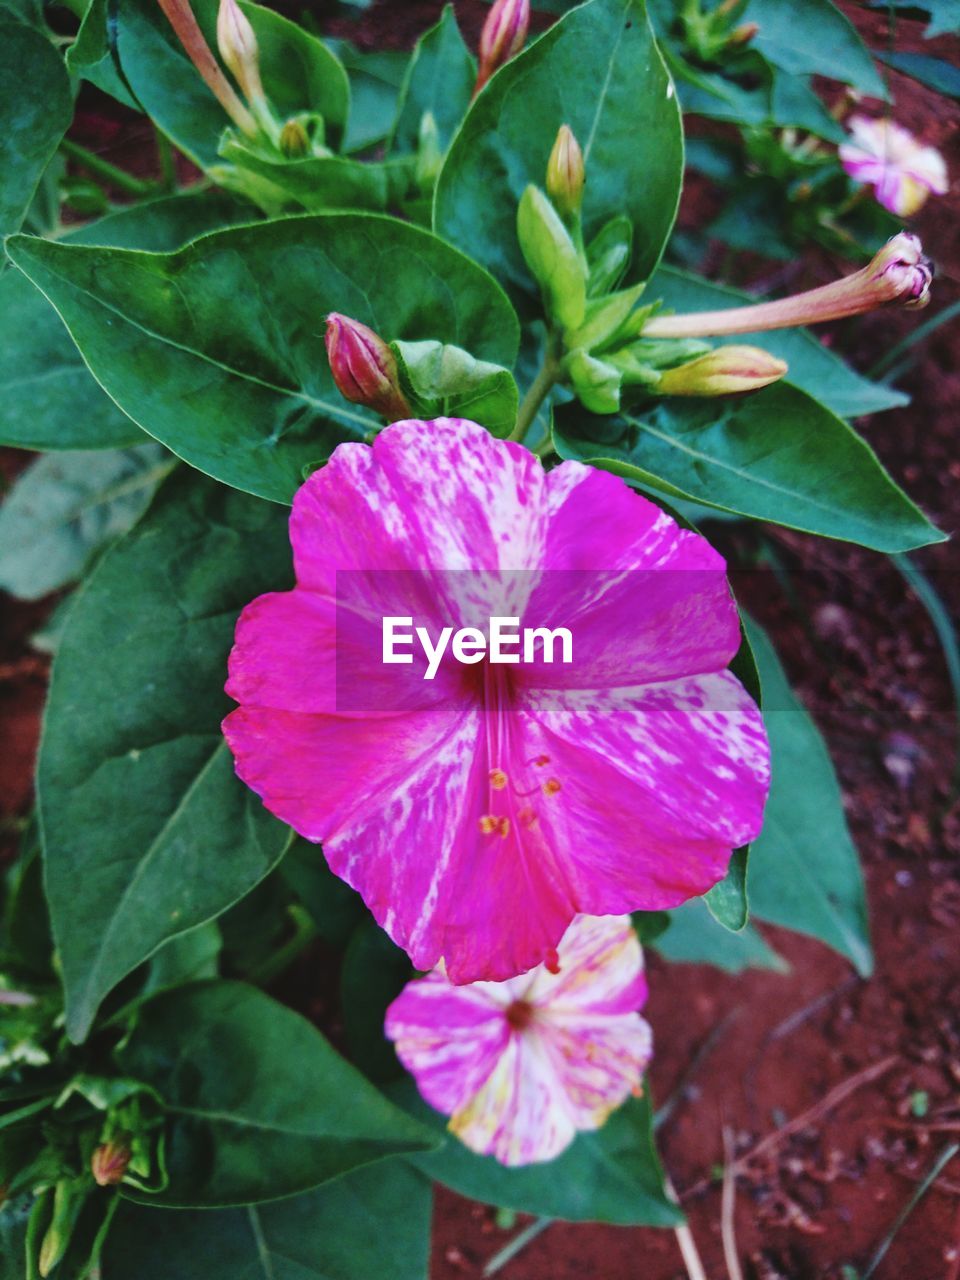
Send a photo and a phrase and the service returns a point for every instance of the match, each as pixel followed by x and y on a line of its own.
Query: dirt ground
pixel 754 1052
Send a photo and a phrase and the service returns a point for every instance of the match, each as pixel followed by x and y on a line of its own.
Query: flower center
pixel 519 1015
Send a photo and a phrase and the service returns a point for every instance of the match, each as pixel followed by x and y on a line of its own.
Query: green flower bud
pixel 294 139
pixel 552 257
pixel 238 48
pixel 722 372
pixel 429 153
pixel 596 382
pixel 565 175
pixel 609 319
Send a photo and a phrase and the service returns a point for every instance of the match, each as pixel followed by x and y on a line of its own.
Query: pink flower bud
pixel 722 372
pixel 109 1163
pixel 503 36
pixel 239 49
pixel 901 271
pixel 565 174
pixel 182 19
pixel 364 368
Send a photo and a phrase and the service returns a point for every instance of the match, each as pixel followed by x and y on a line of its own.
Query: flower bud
pixel 364 368
pixel 294 139
pixel 552 257
pixel 502 37
pixel 743 34
pixel 901 272
pixel 565 174
pixel 109 1163
pixel 722 372
pixel 238 48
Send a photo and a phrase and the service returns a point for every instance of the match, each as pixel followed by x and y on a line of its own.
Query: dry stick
pixel 836 1095
pixel 688 1246
pixel 942 1160
pixel 933 1126
pixel 728 1202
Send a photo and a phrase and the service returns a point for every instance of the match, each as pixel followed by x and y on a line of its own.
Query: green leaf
pixel 91 57
pixel 944 15
pixel 333 906
pixel 258 1105
pixel 48 400
pixel 935 73
pixel 695 937
pixel 447 381
pixel 66 507
pixel 147 832
pixel 374 973
pixel 727 901
pixel 597 70
pixel 813 367
pixel 217 350
pixel 439 79
pixel 372 1223
pixel 775 455
pixel 610 1175
pixel 376 77
pixel 804 869
pixel 299 74
pixel 821 41
pixel 35 108
pixel 328 182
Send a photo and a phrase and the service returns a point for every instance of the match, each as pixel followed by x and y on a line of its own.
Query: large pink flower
pixel 479 812
pixel 522 1066
pixel 902 171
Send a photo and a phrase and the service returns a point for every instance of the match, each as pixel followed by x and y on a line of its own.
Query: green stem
pixel 168 168
pixel 540 388
pixel 101 168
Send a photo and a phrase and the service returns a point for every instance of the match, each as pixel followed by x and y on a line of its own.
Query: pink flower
pixel 901 170
pixel 477 813
pixel 522 1066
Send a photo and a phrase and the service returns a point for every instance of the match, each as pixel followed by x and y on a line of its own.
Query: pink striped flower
pixel 477 813
pixel 900 169
pixel 522 1066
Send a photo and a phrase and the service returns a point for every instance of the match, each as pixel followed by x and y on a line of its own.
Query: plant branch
pixel 101 168
pixel 539 389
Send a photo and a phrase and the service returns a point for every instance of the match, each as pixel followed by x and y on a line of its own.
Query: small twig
pixel 942 1160
pixel 101 168
pixel 917 1126
pixel 519 1241
pixel 728 1232
pixel 807 1118
pixel 688 1246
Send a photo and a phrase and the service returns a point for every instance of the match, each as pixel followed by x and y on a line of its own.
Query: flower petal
pixel 599 970
pixel 599 1061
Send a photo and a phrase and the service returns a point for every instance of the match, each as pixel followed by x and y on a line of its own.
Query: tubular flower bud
pixel 565 174
pixel 552 257
pixel 294 139
pixel 181 18
pixel 744 33
pixel 722 372
pixel 503 36
pixel 899 273
pixel 109 1163
pixel 239 50
pixel 364 368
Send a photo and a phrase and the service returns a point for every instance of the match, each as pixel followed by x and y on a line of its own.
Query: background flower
pixel 521 1066
pixel 901 170
pixel 478 813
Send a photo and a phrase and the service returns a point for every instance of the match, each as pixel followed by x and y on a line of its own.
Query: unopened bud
pixel 503 36
pixel 565 174
pixel 744 33
pixel 239 50
pixel 109 1163
pixel 294 139
pixel 364 368
pixel 552 257
pixel 722 372
pixel 901 271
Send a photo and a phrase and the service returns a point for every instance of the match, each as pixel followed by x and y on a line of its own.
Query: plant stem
pixel 539 389
pixel 168 168
pixel 518 1243
pixel 101 168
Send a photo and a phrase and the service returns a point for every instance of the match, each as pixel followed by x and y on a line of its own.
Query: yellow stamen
pixel 551 787
pixel 488 824
pixel 540 761
pixel 498 779
pixel 504 827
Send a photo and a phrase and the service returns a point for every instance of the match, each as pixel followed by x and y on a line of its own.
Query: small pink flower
pixel 900 169
pixel 521 1066
pixel 477 813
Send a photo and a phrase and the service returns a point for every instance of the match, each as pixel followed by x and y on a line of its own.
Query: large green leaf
pixel 91 57
pixel 299 74
pixel 35 108
pixel 372 1223
pixel 693 936
pixel 439 80
pixel 147 832
pixel 258 1105
pixel 821 41
pixel 48 400
pixel 376 77
pixel 610 1175
pixel 66 507
pixel 935 73
pixel 775 455
pixel 217 350
pixel 804 869
pixel 812 366
pixel 598 71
